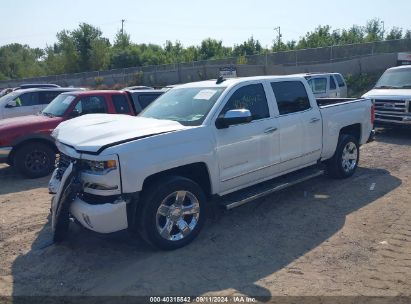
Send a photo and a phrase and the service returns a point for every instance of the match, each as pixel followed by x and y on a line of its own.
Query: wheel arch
pixel 354 130
pixel 35 138
pixel 197 172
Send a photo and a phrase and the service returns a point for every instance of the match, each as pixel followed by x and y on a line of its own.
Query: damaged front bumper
pixel 109 216
pixel 102 218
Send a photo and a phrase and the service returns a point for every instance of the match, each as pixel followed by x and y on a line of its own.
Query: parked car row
pixel 28 101
pixel 26 142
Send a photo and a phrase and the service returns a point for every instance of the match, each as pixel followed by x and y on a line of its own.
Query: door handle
pixel 314 120
pixel 270 130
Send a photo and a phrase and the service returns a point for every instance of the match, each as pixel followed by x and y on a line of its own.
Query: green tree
pixel 19 61
pixel 213 49
pixel 374 30
pixel 100 54
pixel 83 38
pixel 320 37
pixel 355 34
pixel 249 47
pixel 66 49
pixel 395 33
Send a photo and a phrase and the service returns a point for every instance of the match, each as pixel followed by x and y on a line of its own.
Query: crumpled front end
pixel 99 204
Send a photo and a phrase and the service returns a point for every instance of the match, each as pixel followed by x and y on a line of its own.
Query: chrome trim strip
pixel 403 122
pixel 270 165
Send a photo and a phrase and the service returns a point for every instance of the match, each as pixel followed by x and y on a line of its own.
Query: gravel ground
pixel 323 237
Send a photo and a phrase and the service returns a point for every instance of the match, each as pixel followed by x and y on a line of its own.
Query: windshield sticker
pixel 68 99
pixel 205 94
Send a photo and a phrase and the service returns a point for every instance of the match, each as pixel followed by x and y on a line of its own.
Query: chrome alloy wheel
pixel 177 215
pixel 349 157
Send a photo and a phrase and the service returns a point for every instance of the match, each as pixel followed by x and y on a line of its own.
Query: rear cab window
pixel 291 97
pixel 340 80
pixel 333 86
pixel 146 99
pixel 318 85
pixel 121 104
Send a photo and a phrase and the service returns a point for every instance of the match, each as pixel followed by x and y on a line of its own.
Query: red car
pixel 26 142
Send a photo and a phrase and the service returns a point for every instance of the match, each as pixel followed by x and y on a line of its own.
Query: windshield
pixel 59 105
pixel 188 106
pixel 395 79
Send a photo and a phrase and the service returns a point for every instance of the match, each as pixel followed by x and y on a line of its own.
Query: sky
pixel 36 22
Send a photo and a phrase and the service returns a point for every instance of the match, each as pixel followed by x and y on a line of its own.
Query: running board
pixel 252 193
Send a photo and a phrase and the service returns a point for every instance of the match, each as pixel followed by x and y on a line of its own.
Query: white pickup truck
pixel 392 96
pixel 222 141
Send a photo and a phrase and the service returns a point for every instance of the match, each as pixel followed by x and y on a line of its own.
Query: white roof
pixel 233 81
pixel 401 67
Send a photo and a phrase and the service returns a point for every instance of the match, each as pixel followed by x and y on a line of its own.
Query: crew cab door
pixel 26 104
pixel 244 150
pixel 299 124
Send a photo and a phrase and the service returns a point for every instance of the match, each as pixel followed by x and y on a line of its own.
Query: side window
pixel 318 85
pixel 91 104
pixel 147 99
pixel 120 104
pixel 251 97
pixel 340 80
pixel 27 99
pixel 333 86
pixel 291 96
pixel 46 97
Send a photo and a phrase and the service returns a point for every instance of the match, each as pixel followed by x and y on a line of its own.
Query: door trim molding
pixel 267 166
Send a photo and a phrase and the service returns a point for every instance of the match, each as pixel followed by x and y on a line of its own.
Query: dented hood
pixel 94 132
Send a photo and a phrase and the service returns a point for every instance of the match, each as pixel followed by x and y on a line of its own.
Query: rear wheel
pixel 34 159
pixel 345 160
pixel 173 212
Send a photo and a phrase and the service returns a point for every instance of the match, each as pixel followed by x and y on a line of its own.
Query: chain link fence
pixel 205 69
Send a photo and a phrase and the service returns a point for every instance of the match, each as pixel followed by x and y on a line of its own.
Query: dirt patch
pixel 322 237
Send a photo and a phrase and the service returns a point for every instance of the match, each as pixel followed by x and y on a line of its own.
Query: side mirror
pixel 233 117
pixel 74 113
pixel 11 104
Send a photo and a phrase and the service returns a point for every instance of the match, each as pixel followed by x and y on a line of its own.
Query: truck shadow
pixel 237 248
pixel 394 135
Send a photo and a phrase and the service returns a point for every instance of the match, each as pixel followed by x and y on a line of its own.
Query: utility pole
pixel 383 28
pixel 122 26
pixel 278 30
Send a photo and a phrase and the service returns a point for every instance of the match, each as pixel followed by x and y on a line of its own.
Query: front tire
pixel 35 160
pixel 173 212
pixel 345 160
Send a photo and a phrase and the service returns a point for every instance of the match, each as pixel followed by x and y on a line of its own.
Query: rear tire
pixel 345 160
pixel 34 160
pixel 174 210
